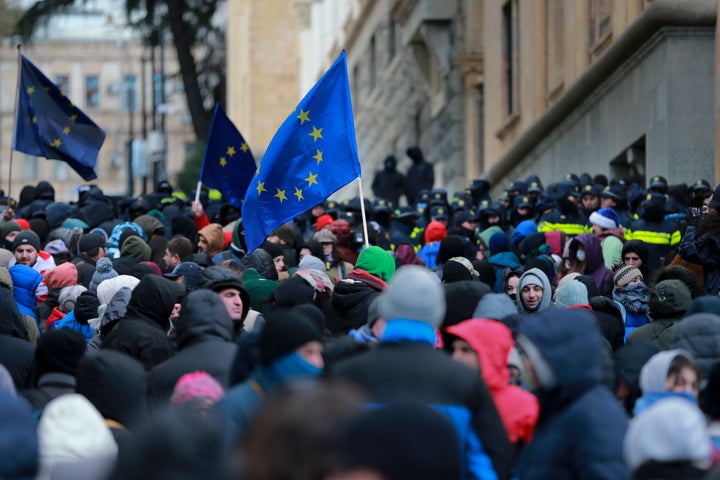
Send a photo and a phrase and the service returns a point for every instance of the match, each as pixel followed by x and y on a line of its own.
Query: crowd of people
pixel 560 331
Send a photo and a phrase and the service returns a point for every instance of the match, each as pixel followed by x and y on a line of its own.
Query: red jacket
pixel 492 342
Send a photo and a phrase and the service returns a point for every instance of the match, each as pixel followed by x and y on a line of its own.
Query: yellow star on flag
pixel 231 151
pixel 56 143
pixel 34 120
pixel 311 178
pixel 318 156
pixel 73 117
pixel 298 193
pixel 66 130
pixel 261 188
pixel 316 133
pixel 244 147
pixel 223 162
pixel 303 116
pixel 280 195
pixel 30 90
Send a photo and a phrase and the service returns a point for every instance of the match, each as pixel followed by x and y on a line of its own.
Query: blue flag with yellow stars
pixel 48 124
pixel 228 165
pixel 312 155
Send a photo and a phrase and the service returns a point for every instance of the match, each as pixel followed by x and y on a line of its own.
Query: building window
pixel 130 93
pixel 393 39
pixel 356 85
pixel 511 66
pixel 61 171
pixel 157 90
pixel 63 83
pixel 92 91
pixel 373 63
pixel 554 48
pixel 30 167
pixel 600 24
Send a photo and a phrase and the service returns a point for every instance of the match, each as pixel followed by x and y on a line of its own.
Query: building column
pixel 471 71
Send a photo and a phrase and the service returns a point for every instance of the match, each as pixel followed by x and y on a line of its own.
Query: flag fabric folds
pixel 228 165
pixel 48 124
pixel 312 155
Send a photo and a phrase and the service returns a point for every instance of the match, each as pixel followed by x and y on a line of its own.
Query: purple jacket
pixel 595 265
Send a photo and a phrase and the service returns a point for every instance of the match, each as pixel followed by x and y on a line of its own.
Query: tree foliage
pixel 9 15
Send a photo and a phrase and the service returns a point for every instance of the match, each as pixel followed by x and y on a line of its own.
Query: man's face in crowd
pixel 233 303
pixel 202 244
pixel 171 260
pixel 632 258
pixel 26 255
pixel 606 202
pixel 590 202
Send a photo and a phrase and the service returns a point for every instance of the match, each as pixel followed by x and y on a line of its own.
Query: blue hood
pixel 570 342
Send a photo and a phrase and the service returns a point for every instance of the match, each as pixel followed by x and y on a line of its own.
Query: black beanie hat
pixel 59 351
pixel 273 249
pixel 284 331
pixel 451 246
pixel 26 237
pixel 86 307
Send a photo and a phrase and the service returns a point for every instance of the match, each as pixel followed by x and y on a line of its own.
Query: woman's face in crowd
pixel 463 353
pixel 531 295
pixel 686 381
pixel 512 285
pixel 327 248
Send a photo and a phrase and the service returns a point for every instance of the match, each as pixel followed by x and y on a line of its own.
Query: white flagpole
pixel 362 212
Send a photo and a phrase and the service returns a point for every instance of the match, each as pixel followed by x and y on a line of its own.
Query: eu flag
pixel 228 165
pixel 48 124
pixel 312 155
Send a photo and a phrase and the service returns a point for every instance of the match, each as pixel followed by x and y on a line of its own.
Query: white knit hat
pixel 671 430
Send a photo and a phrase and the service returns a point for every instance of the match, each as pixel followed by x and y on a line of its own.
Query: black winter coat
pixel 16 353
pixel 142 334
pixel 350 301
pixel 416 372
pixel 204 334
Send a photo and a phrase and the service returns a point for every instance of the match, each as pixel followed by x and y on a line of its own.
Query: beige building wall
pixel 554 46
pixel 111 61
pixel 263 38
pixel 561 86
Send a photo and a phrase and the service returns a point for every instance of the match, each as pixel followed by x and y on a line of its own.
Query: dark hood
pixel 571 344
pixel 57 212
pixel 202 317
pixel 12 322
pixel 44 191
pixel 115 384
pixel 262 262
pixel 154 299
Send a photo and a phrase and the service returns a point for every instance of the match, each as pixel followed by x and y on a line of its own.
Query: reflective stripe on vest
pixel 655 238
pixel 567 228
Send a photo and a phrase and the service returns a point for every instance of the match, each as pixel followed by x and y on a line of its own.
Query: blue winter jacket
pixel 581 427
pixel 69 321
pixel 501 261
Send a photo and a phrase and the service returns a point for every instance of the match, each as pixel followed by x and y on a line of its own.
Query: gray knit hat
pixel 415 293
pixel 103 271
pixel 27 237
